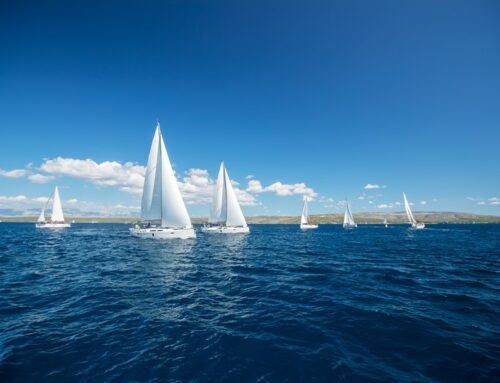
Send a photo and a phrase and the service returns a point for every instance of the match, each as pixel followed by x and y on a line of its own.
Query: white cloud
pixel 250 176
pixel 385 206
pixel 481 203
pixel 423 202
pixel 72 201
pixel 17 198
pixel 326 199
pixel 372 186
pixel 281 189
pixel 254 186
pixel 16 173
pixel 40 199
pixel 40 178
pixel 128 177
pixel 494 201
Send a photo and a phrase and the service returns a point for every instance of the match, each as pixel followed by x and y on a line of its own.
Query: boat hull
pixel 308 227
pixel 52 225
pixel 418 226
pixel 226 229
pixel 347 226
pixel 162 233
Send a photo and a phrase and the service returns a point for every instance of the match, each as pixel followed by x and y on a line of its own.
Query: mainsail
pixel 218 212
pixel 225 207
pixel 57 212
pixel 348 218
pixel 161 197
pixel 305 213
pixel 408 211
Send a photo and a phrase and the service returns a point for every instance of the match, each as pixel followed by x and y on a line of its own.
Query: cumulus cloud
pixel 16 173
pixel 254 186
pixel 128 177
pixel 372 186
pixel 40 178
pixel 423 202
pixel 17 198
pixel 281 189
pixel 385 206
pixel 489 201
pixel 40 199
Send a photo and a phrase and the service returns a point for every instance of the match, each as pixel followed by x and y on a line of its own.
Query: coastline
pixel 360 218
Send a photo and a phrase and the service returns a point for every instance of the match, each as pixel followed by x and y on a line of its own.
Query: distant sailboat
pixel 57 217
pixel 385 222
pixel 304 219
pixel 225 215
pixel 163 212
pixel 413 221
pixel 348 218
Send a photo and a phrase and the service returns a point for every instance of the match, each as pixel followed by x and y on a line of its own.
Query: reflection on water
pixel 94 303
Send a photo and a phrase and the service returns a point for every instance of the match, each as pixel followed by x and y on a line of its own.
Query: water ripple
pixel 369 305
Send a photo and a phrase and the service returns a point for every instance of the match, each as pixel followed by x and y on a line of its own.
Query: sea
pixel 373 304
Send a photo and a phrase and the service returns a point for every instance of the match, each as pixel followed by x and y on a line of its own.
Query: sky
pixel 325 99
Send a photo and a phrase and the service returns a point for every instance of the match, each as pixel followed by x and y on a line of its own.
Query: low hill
pixel 360 218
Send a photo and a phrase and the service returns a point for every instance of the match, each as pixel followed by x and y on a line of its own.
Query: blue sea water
pixel 92 304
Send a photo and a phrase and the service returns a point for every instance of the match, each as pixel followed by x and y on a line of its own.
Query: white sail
pixel 348 218
pixel 408 211
pixel 218 212
pixel 57 212
pixel 41 217
pixel 225 207
pixel 151 192
pixel 305 213
pixel 161 197
pixel 234 214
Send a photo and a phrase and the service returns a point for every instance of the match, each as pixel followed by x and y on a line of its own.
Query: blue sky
pixel 318 97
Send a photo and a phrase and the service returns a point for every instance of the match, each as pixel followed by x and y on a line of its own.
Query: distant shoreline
pixel 360 218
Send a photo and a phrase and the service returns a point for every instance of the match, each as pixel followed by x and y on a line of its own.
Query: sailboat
pixel 413 221
pixel 57 217
pixel 304 219
pixel 385 222
pixel 348 219
pixel 225 215
pixel 163 213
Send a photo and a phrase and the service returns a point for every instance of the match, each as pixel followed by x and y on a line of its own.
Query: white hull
pixel 347 226
pixel 52 225
pixel 305 226
pixel 162 233
pixel 418 226
pixel 226 229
